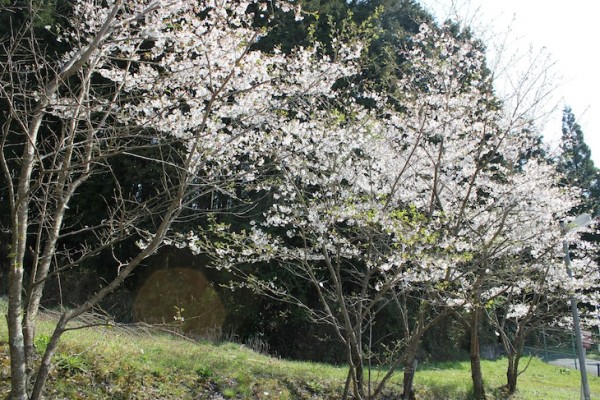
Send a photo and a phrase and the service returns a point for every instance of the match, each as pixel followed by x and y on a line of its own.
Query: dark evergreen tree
pixel 576 163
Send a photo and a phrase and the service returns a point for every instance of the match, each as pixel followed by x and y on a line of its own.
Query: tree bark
pixel 475 356
pixel 46 364
pixel 20 209
pixel 18 361
pixel 410 366
pixel 514 356
pixel 19 224
pixel 512 372
pixel 410 358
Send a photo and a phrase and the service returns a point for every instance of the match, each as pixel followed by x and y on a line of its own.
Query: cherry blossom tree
pixel 535 293
pixel 357 202
pixel 499 201
pixel 501 197
pixel 533 301
pixel 177 77
pixel 435 199
pixel 520 248
pixel 333 224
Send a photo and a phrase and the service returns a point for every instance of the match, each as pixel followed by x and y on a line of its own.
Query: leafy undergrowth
pixel 117 363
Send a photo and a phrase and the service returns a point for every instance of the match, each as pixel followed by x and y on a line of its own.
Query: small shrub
pixel 41 343
pixel 204 372
pixel 71 364
pixel 314 386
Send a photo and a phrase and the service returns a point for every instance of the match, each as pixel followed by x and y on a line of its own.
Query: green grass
pixel 100 363
pixel 540 381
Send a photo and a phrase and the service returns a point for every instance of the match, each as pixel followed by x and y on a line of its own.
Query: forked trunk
pixel 356 381
pixel 512 372
pixel 514 356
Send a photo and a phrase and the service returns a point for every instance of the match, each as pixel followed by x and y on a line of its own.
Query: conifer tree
pixel 577 164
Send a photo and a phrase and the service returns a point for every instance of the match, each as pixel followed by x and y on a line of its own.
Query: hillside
pixel 141 363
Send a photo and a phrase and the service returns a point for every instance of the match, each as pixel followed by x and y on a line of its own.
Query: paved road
pixel 566 361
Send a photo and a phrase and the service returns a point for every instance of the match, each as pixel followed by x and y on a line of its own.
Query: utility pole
pixel 579 221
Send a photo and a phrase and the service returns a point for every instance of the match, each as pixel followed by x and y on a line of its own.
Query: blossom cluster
pixel 437 192
pixel 440 193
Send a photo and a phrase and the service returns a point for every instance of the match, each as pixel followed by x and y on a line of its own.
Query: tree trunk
pixel 20 219
pixel 29 338
pixel 46 364
pixel 410 366
pixel 476 374
pixel 359 391
pixel 360 382
pixel 410 363
pixel 18 361
pixel 19 224
pixel 354 379
pixel 347 385
pixel 512 372
pixel 514 356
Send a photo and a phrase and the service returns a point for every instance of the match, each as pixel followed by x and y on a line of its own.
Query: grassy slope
pixel 100 363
